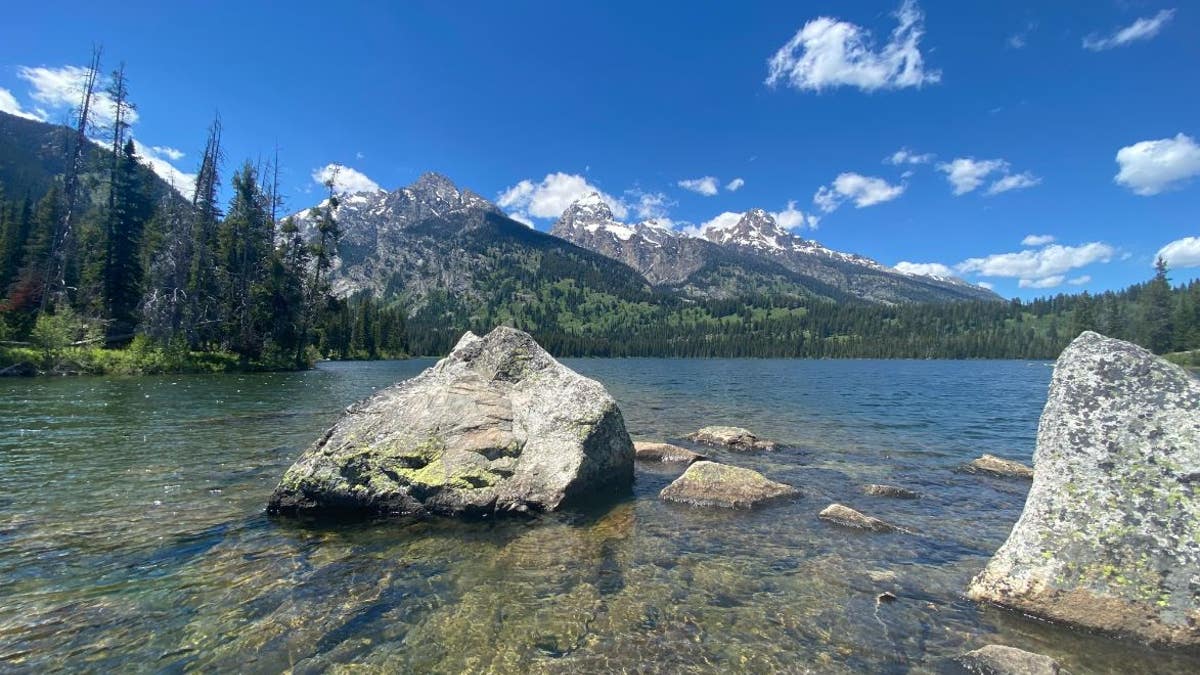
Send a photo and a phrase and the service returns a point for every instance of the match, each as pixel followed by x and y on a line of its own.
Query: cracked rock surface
pixel 1110 535
pixel 496 426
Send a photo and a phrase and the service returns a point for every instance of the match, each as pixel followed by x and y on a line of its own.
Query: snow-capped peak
pixel 591 214
pixel 755 228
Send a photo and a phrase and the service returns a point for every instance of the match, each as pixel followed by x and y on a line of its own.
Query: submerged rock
pixel 664 452
pixel 498 425
pixel 22 369
pixel 1002 660
pixel 733 438
pixel 711 484
pixel 1110 535
pixel 848 517
pixel 890 491
pixel 998 467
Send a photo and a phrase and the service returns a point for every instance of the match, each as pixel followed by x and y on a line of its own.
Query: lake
pixel 133 536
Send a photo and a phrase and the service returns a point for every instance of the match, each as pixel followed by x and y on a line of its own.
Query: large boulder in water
pixel 498 425
pixel 1110 535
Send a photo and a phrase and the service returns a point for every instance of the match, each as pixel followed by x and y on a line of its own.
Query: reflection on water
pixel 132 534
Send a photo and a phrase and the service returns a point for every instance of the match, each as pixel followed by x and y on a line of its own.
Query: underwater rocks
pixel 711 484
pixel 496 426
pixel 1002 660
pixel 731 438
pixel 1110 535
pixel 892 491
pixel 664 452
pixel 848 517
pixel 991 464
pixel 22 369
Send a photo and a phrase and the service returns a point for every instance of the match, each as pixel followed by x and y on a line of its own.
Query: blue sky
pixel 1013 115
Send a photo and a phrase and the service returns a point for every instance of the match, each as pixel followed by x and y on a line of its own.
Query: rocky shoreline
pixel 1121 429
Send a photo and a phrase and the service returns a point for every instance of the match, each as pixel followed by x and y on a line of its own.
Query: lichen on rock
pixel 711 484
pixel 496 426
pixel 1110 535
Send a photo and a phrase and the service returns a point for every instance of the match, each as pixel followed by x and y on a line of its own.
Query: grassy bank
pixel 1189 359
pixel 138 359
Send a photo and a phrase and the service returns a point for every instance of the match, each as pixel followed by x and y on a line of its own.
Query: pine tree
pixel 245 239
pixel 203 323
pixel 129 212
pixel 1156 311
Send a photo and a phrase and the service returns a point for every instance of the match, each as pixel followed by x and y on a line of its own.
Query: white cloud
pixel 723 221
pixel 792 218
pixel 1020 39
pixel 10 105
pixel 1036 265
pixel 706 186
pixel 1016 181
pixel 157 158
pixel 345 180
pixel 1150 167
pixel 1181 253
pixel 906 156
pixel 925 269
pixel 967 173
pixel 1142 29
pixel 551 196
pixel 827 52
pixel 1045 282
pixel 864 190
pixel 63 88
pixel 984 284
pixel 1037 239
pixel 1080 280
pixel 522 219
pixel 735 184
pixel 650 205
pixel 168 152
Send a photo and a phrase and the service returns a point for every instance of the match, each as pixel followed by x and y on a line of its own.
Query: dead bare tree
pixel 54 282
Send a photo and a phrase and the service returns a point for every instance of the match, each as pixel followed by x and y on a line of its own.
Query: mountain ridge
pixel 670 257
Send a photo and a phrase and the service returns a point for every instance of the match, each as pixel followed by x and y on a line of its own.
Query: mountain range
pixel 432 237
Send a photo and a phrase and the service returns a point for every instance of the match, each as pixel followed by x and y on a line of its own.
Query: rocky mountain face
pixel 674 260
pixel 432 239
pixel 754 244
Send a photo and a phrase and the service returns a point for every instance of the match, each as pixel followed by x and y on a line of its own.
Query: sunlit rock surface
pixel 664 452
pixel 1002 660
pixel 731 438
pixel 1110 535
pixel 996 466
pixel 498 425
pixel 712 484
pixel 893 491
pixel 848 517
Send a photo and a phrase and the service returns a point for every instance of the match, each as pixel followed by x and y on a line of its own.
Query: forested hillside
pixel 571 320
